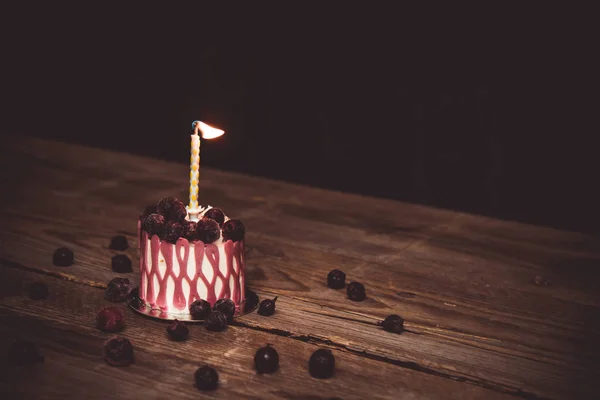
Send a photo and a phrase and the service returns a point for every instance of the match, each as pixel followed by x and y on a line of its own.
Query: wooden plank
pixel 437 350
pixel 63 327
pixel 453 276
pixel 460 278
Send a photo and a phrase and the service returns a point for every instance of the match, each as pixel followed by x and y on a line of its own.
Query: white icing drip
pixel 186 290
pixel 144 286
pixel 156 286
pixel 191 267
pixel 170 292
pixel 231 285
pixel 202 291
pixel 218 286
pixel 148 257
pixel 235 265
pixel 162 265
pixel 175 270
pixel 223 260
pixel 207 269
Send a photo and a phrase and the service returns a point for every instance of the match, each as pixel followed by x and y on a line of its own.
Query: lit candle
pixel 207 132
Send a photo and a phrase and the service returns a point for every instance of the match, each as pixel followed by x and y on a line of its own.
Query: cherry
pixel 321 364
pixel 267 307
pixel 206 378
pixel 266 360
pixel 336 279
pixel 356 291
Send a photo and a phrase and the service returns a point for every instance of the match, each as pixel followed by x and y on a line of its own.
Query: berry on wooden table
pixel 118 243
pixel 63 257
pixel 267 307
pixel 227 307
pixel 321 364
pixel 118 351
pixel 216 321
pixel 121 264
pixel 336 279
pixel 110 319
pixel 266 360
pixel 206 378
pixel 178 331
pixel 356 291
pixel 393 323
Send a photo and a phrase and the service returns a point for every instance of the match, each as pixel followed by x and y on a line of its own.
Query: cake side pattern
pixel 171 278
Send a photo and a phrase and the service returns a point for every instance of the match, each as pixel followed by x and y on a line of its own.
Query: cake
pixel 186 257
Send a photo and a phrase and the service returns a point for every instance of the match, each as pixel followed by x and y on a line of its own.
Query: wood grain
pixel 464 283
pixel 63 327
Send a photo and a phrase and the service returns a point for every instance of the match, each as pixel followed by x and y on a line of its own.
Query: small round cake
pixel 185 259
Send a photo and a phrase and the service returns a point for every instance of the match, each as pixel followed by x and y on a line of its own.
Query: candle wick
pixel 196 126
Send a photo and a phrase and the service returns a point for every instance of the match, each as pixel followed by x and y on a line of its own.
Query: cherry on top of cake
pixel 169 220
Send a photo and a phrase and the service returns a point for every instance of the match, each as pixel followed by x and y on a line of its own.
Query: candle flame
pixel 208 132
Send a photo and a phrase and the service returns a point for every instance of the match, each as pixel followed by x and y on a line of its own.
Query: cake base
pixel 138 305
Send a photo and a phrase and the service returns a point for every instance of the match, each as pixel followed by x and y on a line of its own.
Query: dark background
pixel 488 110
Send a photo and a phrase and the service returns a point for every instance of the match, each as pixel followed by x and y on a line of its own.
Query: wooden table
pixel 493 309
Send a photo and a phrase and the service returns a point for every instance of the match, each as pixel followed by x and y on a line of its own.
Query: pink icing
pixel 157 296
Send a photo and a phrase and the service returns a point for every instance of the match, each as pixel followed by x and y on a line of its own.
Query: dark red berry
pixel 24 352
pixel 321 364
pixel 110 319
pixel 164 205
pixel 172 208
pixel 178 212
pixel 118 351
pixel 118 243
pixel 200 309
pixel 227 307
pixel 121 264
pixel 207 230
pixel 217 214
pixel 336 279
pixel 117 290
pixel 266 360
pixel 267 307
pixel 154 224
pixel 147 211
pixel 234 230
pixel 206 378
pixel 216 321
pixel 173 231
pixel 392 323
pixel 62 257
pixel 356 291
pixel 38 291
pixel 178 331
pixel 189 230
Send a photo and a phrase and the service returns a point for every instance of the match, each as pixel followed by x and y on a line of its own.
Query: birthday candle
pixel 194 169
pixel 208 132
